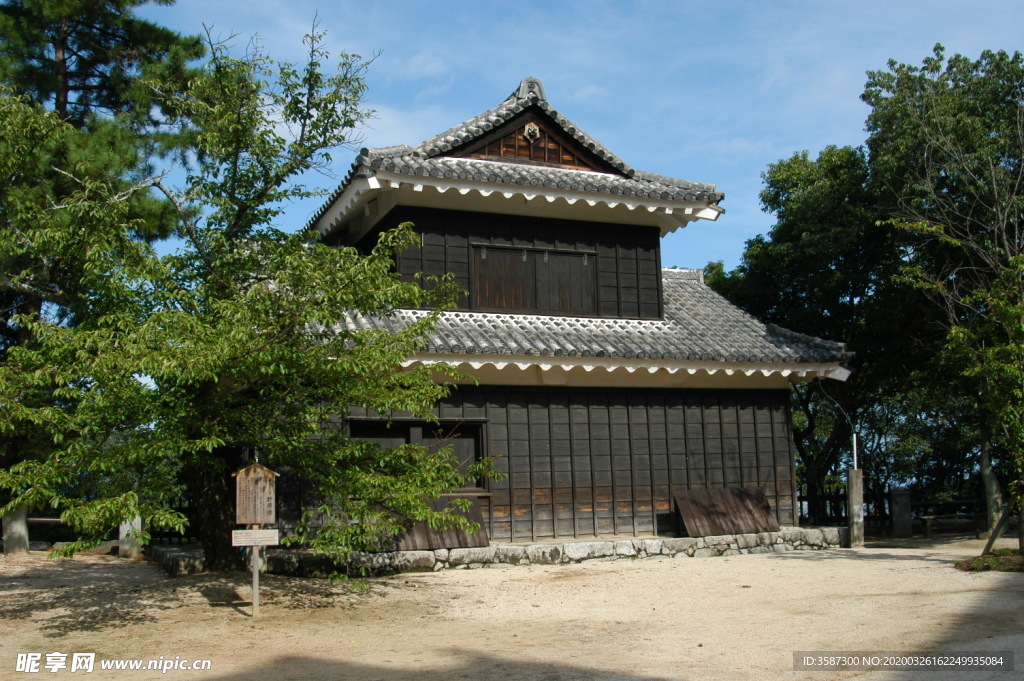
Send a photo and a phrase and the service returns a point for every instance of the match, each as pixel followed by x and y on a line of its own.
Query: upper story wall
pixel 516 264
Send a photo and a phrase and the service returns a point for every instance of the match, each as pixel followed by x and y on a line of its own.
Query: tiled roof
pixel 699 325
pixel 430 159
pixel 652 186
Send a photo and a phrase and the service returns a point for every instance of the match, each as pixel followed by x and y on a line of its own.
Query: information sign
pixel 256 500
pixel 255 538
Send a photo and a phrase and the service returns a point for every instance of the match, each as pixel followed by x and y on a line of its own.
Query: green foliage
pixel 249 339
pixel 65 396
pixel 937 387
pixel 828 268
pixel 88 58
pixel 992 351
pixel 947 139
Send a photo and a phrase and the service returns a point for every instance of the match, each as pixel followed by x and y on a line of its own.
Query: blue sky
pixel 711 92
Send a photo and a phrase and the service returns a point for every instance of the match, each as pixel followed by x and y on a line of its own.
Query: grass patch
pixel 1000 560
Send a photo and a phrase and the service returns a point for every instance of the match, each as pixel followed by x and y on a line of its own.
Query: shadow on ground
pixel 465 666
pixel 994 623
pixel 94 594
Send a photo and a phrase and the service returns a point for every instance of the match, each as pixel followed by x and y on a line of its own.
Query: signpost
pixel 256 505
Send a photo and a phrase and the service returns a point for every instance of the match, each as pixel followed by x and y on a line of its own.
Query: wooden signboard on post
pixel 256 495
pixel 255 505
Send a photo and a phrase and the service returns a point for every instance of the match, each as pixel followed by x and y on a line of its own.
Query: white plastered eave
pixel 795 372
pixel 667 215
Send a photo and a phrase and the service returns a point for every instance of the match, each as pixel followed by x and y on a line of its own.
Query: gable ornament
pixel 531 87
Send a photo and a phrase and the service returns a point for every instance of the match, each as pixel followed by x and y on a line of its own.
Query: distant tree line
pixel 910 250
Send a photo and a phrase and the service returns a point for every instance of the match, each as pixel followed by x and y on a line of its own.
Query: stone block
pixel 766 538
pixel 480 554
pixel 15 529
pixel 759 549
pixel 106 548
pixel 544 554
pixel 722 540
pixel 792 536
pixel 441 555
pixel 678 544
pixel 731 552
pixel 814 537
pixel 509 554
pixel 404 561
pixel 705 553
pixel 179 563
pixel 830 535
pixel 128 545
pixel 651 547
pixel 746 541
pixel 586 550
pixel 625 548
pixel 381 563
pixel 781 548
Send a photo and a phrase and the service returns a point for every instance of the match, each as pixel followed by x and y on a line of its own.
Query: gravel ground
pixel 738 617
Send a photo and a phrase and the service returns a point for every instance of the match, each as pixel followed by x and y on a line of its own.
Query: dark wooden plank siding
pixel 733 510
pixel 602 461
pixel 591 268
pixel 423 537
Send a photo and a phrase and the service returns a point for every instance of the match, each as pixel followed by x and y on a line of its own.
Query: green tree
pixel 239 341
pixel 87 62
pixel 62 392
pixel 91 58
pixel 827 268
pixel 947 143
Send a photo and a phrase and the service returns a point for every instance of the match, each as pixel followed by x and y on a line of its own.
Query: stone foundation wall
pixel 181 560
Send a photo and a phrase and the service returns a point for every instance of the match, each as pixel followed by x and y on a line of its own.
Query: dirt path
pixel 740 617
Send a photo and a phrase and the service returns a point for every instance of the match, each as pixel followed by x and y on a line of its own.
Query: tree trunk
pixel 993 495
pixel 1020 516
pixel 815 502
pixel 1020 529
pixel 60 58
pixel 212 512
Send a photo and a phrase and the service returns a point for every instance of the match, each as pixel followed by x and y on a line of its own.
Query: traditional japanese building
pixel 606 385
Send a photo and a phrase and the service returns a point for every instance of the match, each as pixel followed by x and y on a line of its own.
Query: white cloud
pixel 709 93
pixel 409 126
pixel 425 64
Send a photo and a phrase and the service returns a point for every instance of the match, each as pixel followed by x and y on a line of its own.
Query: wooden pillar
pixel 901 515
pixel 128 545
pixel 16 531
pixel 855 506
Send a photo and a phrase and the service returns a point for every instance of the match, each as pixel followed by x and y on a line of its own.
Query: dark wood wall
pixel 607 461
pixel 626 279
